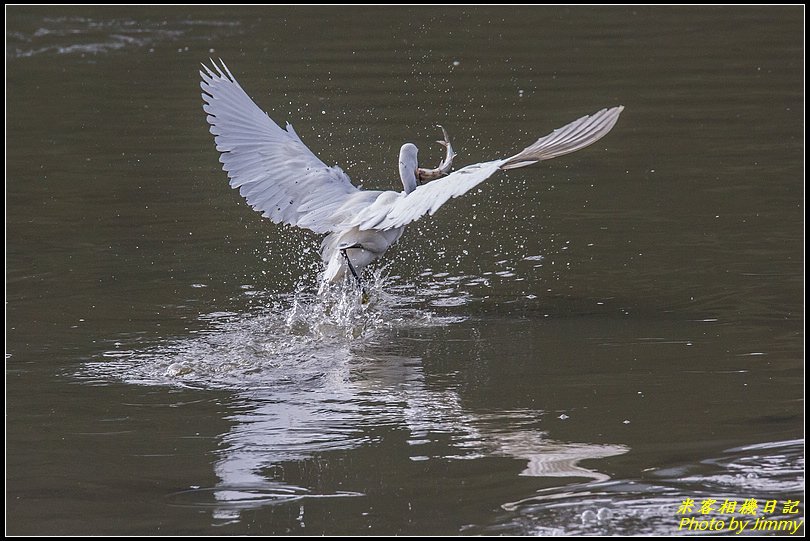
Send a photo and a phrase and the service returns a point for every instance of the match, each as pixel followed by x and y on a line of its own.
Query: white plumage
pixel 281 178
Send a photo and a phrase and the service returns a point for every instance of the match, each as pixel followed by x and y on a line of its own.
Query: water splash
pixel 285 339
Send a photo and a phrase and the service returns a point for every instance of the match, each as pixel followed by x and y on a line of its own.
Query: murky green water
pixel 576 348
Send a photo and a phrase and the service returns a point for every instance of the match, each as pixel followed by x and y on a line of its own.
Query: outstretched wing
pixel 570 138
pixel 426 199
pixel 398 211
pixel 273 169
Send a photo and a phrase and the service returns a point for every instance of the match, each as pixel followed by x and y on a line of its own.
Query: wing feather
pixel 401 209
pixel 570 138
pixel 428 198
pixel 281 178
pixel 273 169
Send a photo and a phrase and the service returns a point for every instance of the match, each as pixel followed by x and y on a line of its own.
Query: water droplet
pixel 604 514
pixel 588 516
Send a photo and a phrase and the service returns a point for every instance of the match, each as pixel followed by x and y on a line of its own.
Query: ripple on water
pixel 227 502
pixel 95 36
pixel 649 506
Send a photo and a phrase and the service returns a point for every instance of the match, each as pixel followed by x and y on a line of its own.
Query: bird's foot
pixel 364 295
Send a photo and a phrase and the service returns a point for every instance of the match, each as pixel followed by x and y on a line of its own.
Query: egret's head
pixel 407 166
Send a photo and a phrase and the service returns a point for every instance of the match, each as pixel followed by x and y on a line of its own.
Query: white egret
pixel 281 178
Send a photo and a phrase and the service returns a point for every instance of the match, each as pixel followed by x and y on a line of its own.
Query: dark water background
pixel 575 348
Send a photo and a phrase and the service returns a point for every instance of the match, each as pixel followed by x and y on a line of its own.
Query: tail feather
pixel 570 138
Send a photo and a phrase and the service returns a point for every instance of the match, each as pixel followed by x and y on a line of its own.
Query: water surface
pixel 572 349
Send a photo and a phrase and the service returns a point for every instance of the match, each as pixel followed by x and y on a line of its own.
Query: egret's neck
pixel 407 166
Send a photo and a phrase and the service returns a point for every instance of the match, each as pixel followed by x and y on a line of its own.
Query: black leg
pixel 356 276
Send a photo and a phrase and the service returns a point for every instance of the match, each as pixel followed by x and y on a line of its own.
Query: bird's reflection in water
pixel 310 382
pixel 348 393
pixel 275 430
